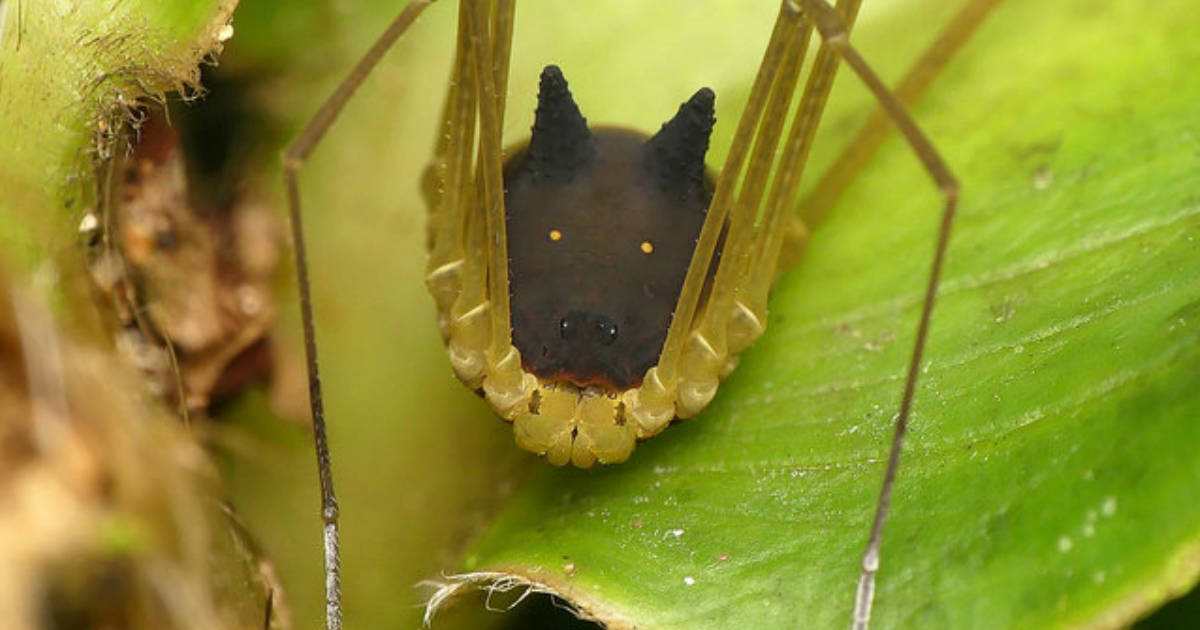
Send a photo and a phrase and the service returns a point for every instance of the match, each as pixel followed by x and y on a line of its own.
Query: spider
pixel 593 406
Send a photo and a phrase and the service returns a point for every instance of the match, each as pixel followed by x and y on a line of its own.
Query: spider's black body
pixel 601 226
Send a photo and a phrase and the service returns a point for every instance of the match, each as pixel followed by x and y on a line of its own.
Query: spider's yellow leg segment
pixel 708 353
pixel 502 29
pixel 294 157
pixel 458 108
pixel 816 205
pixel 652 406
pixel 735 313
pixel 506 384
pixel 834 32
pixel 470 314
pixel 489 174
pixel 448 193
pixel 776 230
pixel 456 269
pixel 467 270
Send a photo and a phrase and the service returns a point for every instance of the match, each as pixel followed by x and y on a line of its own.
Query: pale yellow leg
pixel 713 340
pixel 810 211
pixel 452 276
pixel 780 225
pixel 653 405
pixel 468 265
pixel 507 387
pixel 705 338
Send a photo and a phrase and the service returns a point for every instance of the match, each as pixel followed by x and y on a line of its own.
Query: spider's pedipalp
pixel 579 426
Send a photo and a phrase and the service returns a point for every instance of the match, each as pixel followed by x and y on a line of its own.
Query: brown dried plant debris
pixel 108 511
pixel 185 274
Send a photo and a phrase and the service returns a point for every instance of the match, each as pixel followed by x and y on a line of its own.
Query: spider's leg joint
pixel 731 364
pixel 827 20
pixel 694 396
pixel 445 285
pixel 468 363
pixel 469 333
pixel 290 161
pixel 651 406
pixel 702 365
pixel 479 310
pixel 745 326
pixel 444 270
pixel 507 386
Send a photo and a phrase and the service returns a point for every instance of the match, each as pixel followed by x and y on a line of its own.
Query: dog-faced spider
pixel 591 324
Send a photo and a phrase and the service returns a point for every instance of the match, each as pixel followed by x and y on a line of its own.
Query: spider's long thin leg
pixel 294 157
pixel 453 271
pixel 693 354
pixel 815 206
pixel 705 338
pixel 751 280
pixel 268 609
pixel 468 263
pixel 834 32
pixel 506 386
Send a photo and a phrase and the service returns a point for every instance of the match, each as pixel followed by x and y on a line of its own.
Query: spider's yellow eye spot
pixel 555 235
pixel 647 247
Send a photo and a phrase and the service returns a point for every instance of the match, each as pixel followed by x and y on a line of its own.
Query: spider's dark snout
pixel 581 328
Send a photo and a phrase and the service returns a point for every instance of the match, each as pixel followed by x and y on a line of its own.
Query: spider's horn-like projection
pixel 677 150
pixel 561 142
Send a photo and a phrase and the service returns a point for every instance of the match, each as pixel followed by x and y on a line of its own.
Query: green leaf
pixel 1050 477
pixel 70 71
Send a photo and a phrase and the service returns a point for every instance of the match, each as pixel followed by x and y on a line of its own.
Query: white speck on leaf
pixel 1109 507
pixel 1043 177
pixel 1065 544
pixel 689 580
